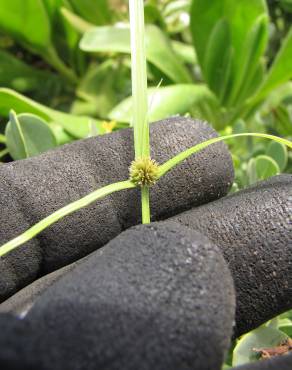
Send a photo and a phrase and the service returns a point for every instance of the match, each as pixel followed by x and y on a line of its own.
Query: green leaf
pixel 263 337
pixel 77 126
pixel 27 21
pixel 215 68
pixel 279 153
pixel 252 51
pixel 17 75
pixel 27 135
pixel 62 212
pixel 167 166
pixel 262 167
pixel 158 48
pixel 243 25
pixel 79 24
pixel 184 51
pixel 285 325
pixel 281 70
pixel 164 102
pixel 97 13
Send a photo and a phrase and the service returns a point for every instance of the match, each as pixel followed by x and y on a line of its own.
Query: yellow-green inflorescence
pixel 144 171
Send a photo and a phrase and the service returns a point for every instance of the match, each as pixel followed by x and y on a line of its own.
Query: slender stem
pixel 62 212
pixel 52 58
pixel 145 195
pixel 139 92
pixel 3 152
pixel 168 165
pixel 139 79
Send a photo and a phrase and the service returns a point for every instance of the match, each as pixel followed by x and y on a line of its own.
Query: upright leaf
pixel 244 41
pixel 281 70
pixel 216 68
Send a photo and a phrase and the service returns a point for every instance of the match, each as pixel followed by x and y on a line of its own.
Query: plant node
pixel 144 171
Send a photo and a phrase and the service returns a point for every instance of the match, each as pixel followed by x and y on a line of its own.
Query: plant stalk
pixel 145 197
pixel 62 212
pixel 54 60
pixel 171 163
pixel 139 92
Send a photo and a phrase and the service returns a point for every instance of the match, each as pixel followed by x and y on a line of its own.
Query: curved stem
pixel 52 58
pixel 62 212
pixel 167 166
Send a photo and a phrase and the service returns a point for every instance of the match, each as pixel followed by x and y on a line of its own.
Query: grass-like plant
pixel 143 171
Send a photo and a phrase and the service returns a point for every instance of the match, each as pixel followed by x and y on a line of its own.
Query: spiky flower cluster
pixel 144 171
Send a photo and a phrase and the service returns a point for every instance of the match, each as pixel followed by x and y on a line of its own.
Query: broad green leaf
pixel 27 21
pixel 27 135
pixel 158 48
pixel 186 52
pixel 285 325
pixel 96 12
pixel 262 167
pixel 241 51
pixel 77 126
pixel 16 74
pixel 216 70
pixel 164 102
pixel 252 50
pixel 281 70
pixel 30 24
pixel 263 337
pixel 279 153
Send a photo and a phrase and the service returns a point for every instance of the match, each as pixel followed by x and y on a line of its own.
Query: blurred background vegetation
pixel 228 62
pixel 65 71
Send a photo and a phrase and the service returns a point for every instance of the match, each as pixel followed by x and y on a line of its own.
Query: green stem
pixel 145 199
pixel 52 58
pixel 139 78
pixel 62 212
pixel 139 92
pixel 3 152
pixel 167 166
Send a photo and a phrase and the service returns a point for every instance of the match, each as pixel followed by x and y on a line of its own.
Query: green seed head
pixel 144 171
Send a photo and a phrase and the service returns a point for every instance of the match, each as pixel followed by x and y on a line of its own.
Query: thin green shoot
pixel 139 79
pixel 139 92
pixel 109 189
pixel 61 213
pixel 167 166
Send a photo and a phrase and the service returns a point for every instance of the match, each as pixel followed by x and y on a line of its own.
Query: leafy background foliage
pixel 65 71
